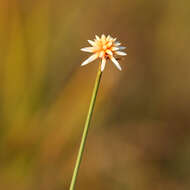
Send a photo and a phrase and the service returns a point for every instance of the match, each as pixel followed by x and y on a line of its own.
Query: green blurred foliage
pixel 139 138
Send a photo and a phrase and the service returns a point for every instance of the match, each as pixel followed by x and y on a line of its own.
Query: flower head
pixel 104 48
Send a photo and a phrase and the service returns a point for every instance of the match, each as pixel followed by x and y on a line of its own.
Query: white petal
pixel 117 43
pixel 101 54
pixel 103 64
pixel 88 49
pixel 97 37
pixel 120 53
pixel 116 63
pixel 91 42
pixel 108 37
pixel 121 47
pixel 103 36
pixel 115 48
pixel 90 59
pixel 109 52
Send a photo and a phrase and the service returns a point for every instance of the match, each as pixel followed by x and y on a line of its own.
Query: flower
pixel 104 48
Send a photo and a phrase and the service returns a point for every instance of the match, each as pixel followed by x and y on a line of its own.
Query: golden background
pixel 139 137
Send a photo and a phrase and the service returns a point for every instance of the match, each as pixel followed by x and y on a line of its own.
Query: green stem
pixel 86 127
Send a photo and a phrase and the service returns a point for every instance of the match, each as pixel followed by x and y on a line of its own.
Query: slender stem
pixel 86 127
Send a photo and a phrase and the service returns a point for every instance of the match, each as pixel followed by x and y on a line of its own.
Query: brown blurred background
pixel 139 137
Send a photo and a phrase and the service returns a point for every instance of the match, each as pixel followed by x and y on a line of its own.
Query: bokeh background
pixel 139 137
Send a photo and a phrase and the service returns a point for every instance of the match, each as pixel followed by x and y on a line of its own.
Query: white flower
pixel 104 48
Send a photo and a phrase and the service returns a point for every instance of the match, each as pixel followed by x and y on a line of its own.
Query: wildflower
pixel 105 48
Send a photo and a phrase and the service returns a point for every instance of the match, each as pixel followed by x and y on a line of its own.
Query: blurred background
pixel 139 137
